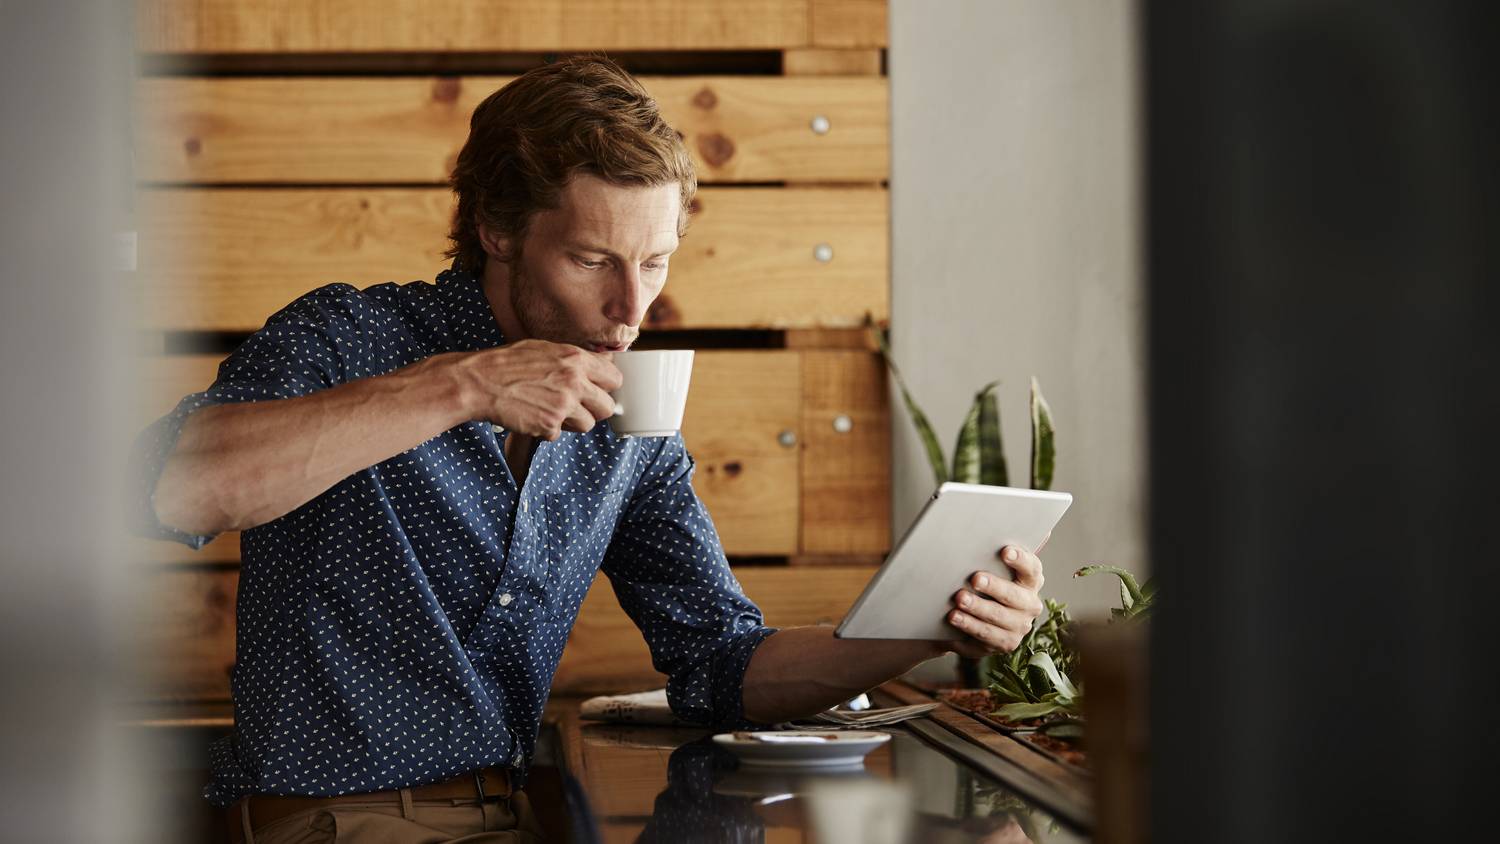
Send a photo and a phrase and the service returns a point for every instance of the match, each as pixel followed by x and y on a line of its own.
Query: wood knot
pixel 695 205
pixel 705 99
pixel 192 146
pixel 733 468
pixel 445 89
pixel 715 148
pixel 663 314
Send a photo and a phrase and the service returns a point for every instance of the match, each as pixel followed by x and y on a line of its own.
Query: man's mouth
pixel 615 347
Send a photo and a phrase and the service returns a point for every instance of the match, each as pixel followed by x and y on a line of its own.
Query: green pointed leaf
pixel 1007 687
pixel 1027 711
pixel 1062 729
pixel 966 449
pixel 1126 578
pixel 1015 683
pixel 1148 589
pixel 1060 682
pixel 1043 447
pixel 925 432
pixel 1126 600
pixel 992 468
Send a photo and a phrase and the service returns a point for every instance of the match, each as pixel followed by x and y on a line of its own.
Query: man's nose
pixel 629 302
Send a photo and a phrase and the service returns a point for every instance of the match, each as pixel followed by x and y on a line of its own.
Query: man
pixel 426 491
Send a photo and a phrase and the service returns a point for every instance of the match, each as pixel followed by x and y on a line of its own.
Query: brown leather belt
pixel 479 786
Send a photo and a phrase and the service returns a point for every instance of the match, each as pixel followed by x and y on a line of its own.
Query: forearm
pixel 240 465
pixel 800 671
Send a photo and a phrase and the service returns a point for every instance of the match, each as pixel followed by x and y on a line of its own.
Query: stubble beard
pixel 539 316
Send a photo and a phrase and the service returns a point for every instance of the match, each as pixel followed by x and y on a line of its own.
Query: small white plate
pixel 803 749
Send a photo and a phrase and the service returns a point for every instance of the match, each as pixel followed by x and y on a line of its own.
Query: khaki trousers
pixel 509 820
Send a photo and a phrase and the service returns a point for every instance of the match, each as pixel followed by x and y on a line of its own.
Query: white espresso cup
pixel 653 392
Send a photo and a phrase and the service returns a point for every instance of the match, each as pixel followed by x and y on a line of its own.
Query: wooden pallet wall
pixel 258 186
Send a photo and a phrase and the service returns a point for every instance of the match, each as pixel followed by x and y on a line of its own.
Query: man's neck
pixel 494 282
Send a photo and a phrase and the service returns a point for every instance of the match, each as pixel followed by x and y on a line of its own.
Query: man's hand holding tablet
pixel 996 614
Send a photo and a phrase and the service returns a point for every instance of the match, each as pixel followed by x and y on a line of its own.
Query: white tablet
pixel 960 531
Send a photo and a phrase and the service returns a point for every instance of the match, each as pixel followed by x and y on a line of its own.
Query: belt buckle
pixel 479 787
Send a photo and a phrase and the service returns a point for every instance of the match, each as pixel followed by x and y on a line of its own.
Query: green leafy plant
pixel 1036 679
pixel 1135 600
pixel 978 456
pixel 1033 680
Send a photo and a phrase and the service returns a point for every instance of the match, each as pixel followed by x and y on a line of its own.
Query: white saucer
pixel 802 749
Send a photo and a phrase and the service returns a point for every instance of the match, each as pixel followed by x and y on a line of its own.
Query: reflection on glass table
pixel 907 791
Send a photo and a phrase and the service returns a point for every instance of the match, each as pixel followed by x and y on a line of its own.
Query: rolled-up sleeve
pixel 302 348
pixel 669 572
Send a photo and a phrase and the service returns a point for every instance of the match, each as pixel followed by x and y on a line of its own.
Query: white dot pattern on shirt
pixel 405 625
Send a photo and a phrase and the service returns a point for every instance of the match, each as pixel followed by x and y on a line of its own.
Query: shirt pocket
pixel 578 527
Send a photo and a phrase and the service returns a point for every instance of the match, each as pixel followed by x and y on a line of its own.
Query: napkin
pixel 651 708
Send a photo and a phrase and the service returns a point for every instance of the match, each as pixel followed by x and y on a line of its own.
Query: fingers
pixel 1026 565
pixel 601 370
pixel 997 592
pixel 597 402
pixel 579 421
pixel 995 613
pixel 1002 637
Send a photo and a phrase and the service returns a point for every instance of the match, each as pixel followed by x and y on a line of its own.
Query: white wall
pixel 1014 253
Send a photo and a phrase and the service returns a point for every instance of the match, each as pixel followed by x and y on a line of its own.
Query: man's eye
pixel 590 265
pixel 655 265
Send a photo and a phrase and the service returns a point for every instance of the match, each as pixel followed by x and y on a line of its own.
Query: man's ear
pixel 496 245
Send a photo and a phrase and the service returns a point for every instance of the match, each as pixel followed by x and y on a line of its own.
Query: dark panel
pixel 1324 413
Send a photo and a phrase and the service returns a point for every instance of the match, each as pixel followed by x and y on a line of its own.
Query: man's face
pixel 589 269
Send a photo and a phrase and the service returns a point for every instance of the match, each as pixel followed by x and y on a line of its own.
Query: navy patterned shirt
pixel 404 626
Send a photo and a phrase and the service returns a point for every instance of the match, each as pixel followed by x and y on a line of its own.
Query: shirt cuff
pixel 729 680
pixel 147 460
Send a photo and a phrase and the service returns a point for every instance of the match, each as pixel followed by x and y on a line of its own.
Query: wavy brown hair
pixel 583 114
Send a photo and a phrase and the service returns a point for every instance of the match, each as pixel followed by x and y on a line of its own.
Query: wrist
pixel 453 387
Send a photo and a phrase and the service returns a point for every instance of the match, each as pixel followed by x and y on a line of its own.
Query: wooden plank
pixel 848 23
pixel 846 471
pixel 183 646
pixel 739 404
pixel 830 338
pixel 831 63
pixel 186 629
pixel 408 130
pixel 871 560
pixel 224 259
pixel 606 653
pixel 240 26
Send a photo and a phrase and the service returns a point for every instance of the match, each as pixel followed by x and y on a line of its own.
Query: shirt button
pixel 525 506
pixel 520 757
pixel 505 600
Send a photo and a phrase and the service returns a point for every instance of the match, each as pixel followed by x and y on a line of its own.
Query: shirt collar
pixel 471 320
